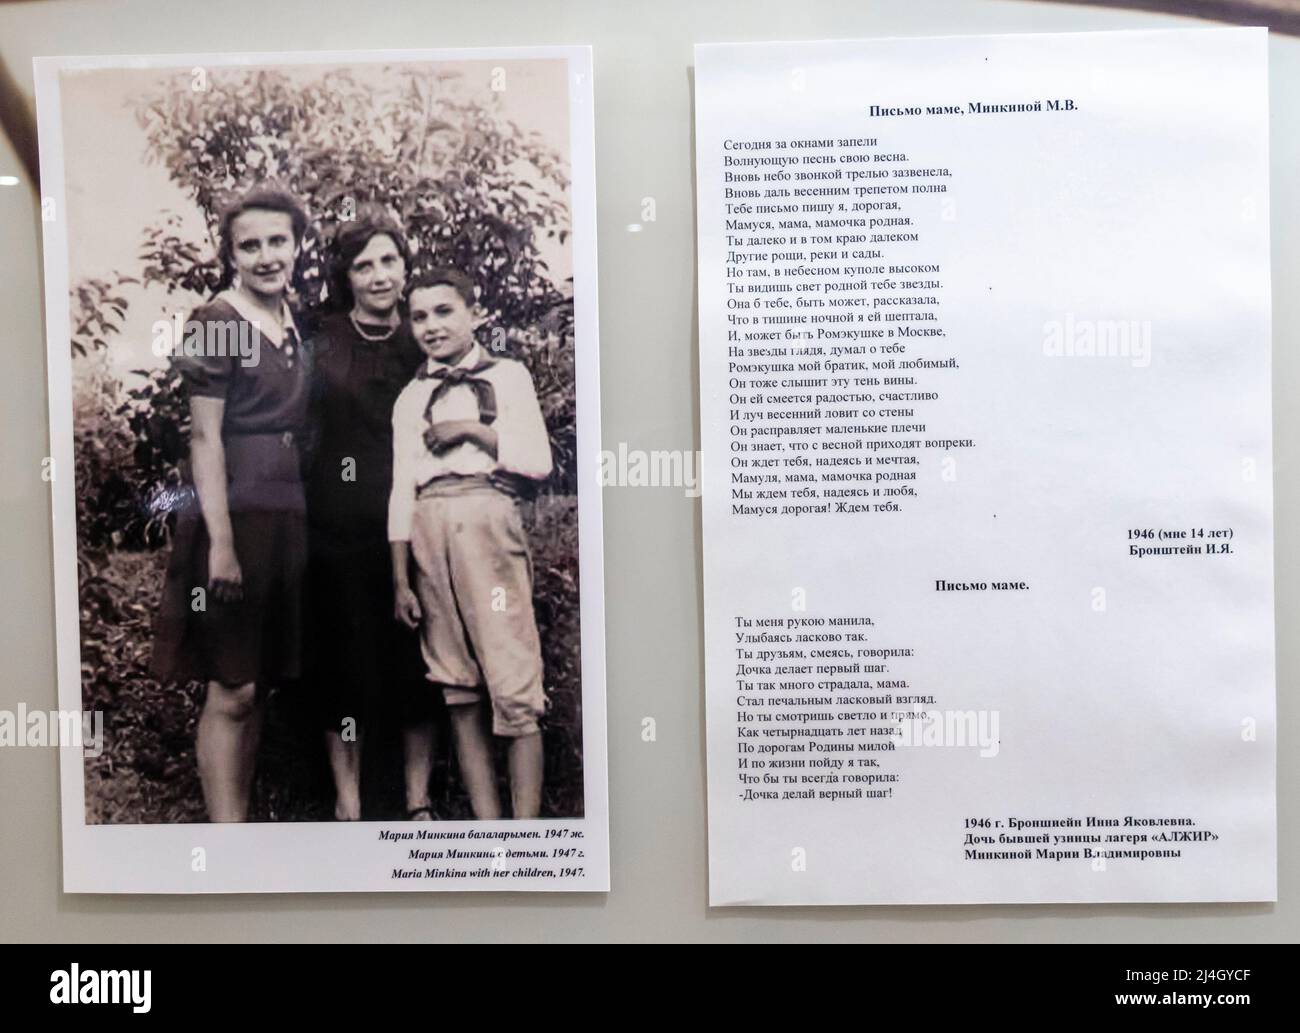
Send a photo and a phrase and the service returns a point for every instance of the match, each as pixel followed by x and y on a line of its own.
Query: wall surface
pixel 643 56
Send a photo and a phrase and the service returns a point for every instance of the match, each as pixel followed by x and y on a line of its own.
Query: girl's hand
pixel 225 579
pixel 406 607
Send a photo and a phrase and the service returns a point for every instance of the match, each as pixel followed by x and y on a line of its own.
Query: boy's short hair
pixel 445 276
pixel 263 197
pixel 352 238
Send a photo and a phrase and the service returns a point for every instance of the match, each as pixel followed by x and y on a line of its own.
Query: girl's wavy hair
pixel 268 197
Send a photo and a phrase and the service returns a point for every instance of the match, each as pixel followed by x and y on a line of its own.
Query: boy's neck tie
pixel 449 377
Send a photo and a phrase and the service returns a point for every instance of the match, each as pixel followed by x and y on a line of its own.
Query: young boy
pixel 462 428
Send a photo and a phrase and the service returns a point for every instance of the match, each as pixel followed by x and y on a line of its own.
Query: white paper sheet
pixel 984 362
pixel 503 134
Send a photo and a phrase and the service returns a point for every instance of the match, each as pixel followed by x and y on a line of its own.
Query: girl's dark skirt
pixel 257 639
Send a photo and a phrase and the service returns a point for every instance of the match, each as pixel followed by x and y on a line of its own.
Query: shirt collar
pixel 469 359
pixel 236 300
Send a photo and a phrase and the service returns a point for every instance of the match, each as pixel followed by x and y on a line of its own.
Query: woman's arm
pixel 208 460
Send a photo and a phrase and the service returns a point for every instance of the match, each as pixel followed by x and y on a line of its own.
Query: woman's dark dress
pixel 259 638
pixel 359 660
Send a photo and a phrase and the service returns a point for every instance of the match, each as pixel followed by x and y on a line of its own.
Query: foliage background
pixel 474 190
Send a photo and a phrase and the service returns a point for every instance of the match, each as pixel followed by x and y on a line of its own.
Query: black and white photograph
pixel 322 357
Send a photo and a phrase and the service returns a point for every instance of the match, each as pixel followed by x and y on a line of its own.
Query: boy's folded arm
pixel 449 433
pixel 486 438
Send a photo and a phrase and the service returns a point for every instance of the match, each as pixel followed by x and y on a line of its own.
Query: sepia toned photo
pixel 325 322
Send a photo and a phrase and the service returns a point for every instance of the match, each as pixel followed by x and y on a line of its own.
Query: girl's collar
pixel 272 333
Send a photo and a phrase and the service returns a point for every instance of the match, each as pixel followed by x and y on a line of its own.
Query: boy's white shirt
pixel 523 446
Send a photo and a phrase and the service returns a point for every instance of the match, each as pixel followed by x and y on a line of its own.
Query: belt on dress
pixel 286 438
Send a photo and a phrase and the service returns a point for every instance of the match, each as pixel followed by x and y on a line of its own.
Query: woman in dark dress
pixel 230 613
pixel 360 661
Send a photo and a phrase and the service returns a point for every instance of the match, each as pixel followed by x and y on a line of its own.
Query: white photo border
pixel 268 857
